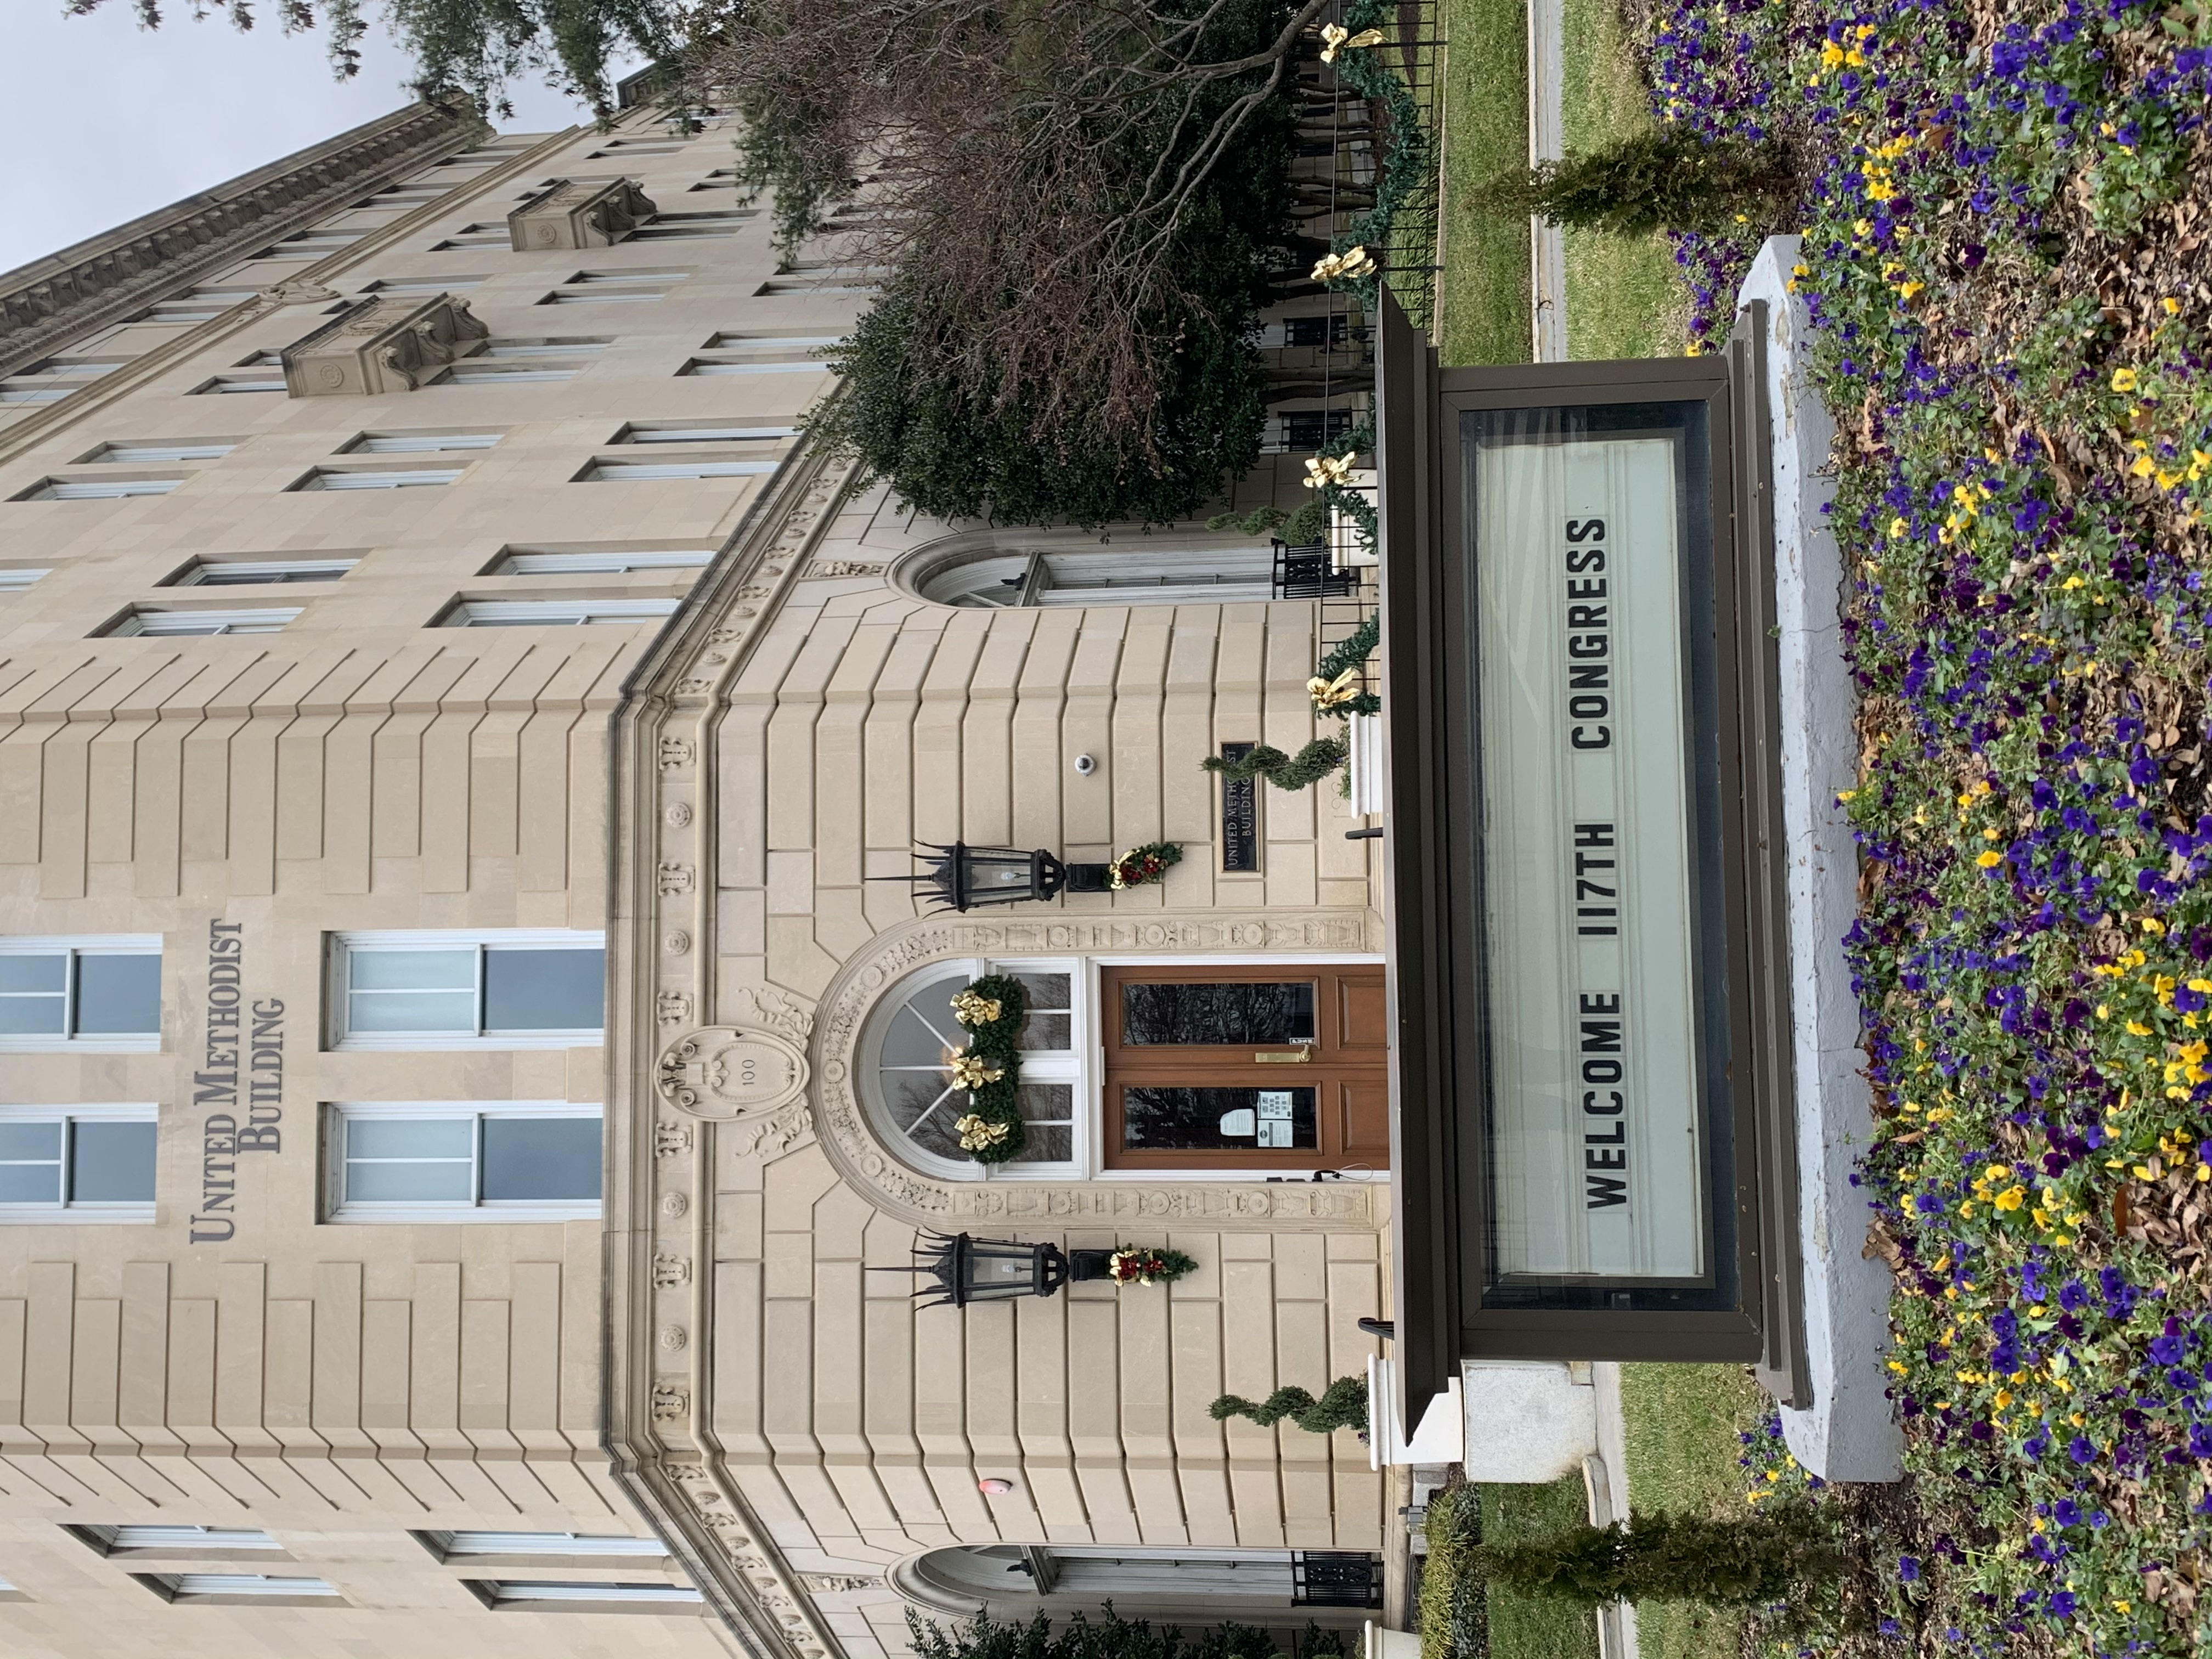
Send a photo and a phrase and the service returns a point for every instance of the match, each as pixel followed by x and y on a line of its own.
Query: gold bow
pixel 1353 262
pixel 1336 38
pixel 977 1136
pixel 971 1071
pixel 1327 694
pixel 1324 470
pixel 971 1009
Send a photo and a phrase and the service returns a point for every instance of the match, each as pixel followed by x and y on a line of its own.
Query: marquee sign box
pixel 1590 1069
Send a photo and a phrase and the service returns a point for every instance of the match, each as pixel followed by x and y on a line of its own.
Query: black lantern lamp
pixel 968 1270
pixel 961 876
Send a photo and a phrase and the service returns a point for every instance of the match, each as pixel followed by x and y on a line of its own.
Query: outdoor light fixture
pixel 961 876
pixel 968 1270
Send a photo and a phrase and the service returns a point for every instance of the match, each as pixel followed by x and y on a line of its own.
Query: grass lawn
pixel 1682 1422
pixel 1522 1627
pixel 1624 298
pixel 1483 293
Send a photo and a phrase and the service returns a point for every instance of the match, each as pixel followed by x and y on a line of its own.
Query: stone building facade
pixel 451 726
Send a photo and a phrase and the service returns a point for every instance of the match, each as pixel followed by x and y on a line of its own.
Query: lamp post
pixel 961 876
pixel 965 1270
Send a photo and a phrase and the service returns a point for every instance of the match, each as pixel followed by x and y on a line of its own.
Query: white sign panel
pixel 1597 1144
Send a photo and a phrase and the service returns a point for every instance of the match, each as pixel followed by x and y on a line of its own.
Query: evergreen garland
pixel 1300 771
pixel 999 1040
pixel 1343 1405
pixel 1358 646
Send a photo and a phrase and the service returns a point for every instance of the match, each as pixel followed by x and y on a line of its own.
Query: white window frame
pixel 148 623
pixel 73 945
pixel 336 1208
pixel 669 432
pixel 340 478
pixel 232 384
pixel 556 613
pixel 65 1211
pixel 592 296
pixel 727 342
pixel 703 366
pixel 422 284
pixel 343 945
pixel 556 346
pixel 1075 1065
pixel 464 1544
pixel 155 453
pixel 506 372
pixel 97 490
pixel 419 443
pixel 176 1541
pixel 273 570
pixel 628 471
pixel 17 582
pixel 505 1594
pixel 529 563
pixel 222 1586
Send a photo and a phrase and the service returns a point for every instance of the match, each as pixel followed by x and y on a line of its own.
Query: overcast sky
pixel 104 121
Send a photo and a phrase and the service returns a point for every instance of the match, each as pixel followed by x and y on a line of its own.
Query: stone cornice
pixel 306 286
pixel 660 1185
pixel 63 297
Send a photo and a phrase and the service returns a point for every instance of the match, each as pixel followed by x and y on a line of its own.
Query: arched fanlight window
pixel 910 1095
pixel 1138 572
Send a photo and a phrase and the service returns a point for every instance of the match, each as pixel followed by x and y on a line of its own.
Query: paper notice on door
pixel 1275 1128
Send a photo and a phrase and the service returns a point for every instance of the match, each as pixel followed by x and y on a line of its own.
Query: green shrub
pixel 1343 1405
pixel 1666 178
pixel 1669 1557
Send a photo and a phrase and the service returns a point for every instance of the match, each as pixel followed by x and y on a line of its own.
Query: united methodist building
pixel 486 813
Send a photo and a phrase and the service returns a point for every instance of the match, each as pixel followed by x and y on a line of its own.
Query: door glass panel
pixel 119 994
pixel 1048 1112
pixel 111 1162
pixel 1217 1014
pixel 541 1158
pixel 1167 1118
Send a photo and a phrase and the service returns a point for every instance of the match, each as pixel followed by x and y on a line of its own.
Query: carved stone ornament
pixel 674 1007
pixel 675 1338
pixel 394 344
pixel 580 213
pixel 675 752
pixel 829 1582
pixel 678 814
pixel 671 1270
pixel 729 1074
pixel 672 1403
pixel 673 1205
pixel 676 942
pixel 844 568
pixel 670 1138
pixel 675 878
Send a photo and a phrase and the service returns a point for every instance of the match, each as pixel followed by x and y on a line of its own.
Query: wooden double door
pixel 1246 1068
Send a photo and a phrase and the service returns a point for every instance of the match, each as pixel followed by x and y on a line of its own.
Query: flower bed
pixel 2005 229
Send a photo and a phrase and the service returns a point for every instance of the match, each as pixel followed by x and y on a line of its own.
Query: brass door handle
pixel 1291 1057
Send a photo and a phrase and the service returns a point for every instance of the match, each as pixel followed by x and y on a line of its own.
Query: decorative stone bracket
pixel 383 345
pixel 580 213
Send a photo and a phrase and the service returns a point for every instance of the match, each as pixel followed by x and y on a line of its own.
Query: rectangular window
pixel 518 1592
pixel 77 1163
pixel 98 991
pixel 311 245
pixel 418 443
pixel 538 1543
pixel 773 342
pixel 96 489
pixel 14 582
pixel 21 391
pixel 570 347
pixel 151 453
pixel 635 433
pixel 465 1160
pixel 516 988
pixel 650 472
pixel 224 385
pixel 781 366
pixel 678 227
pixel 173 624
pixel 555 613
pixel 227 1586
pixel 253 572
pixel 423 285
pixel 596 296
pixel 514 373
pixel 523 563
pixel 334 478
pixel 165 1540
pixel 619 279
